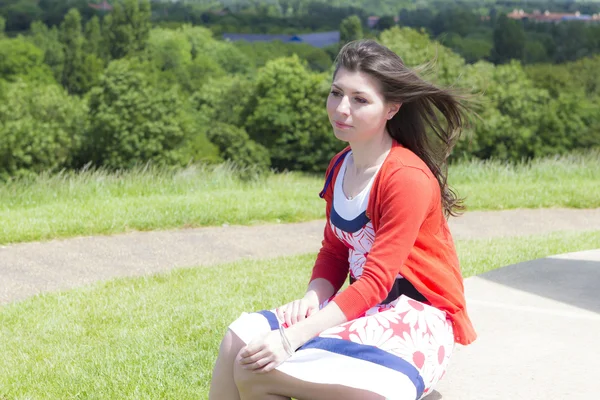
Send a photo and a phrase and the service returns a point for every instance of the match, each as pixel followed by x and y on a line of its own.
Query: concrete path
pixel 30 268
pixel 539 333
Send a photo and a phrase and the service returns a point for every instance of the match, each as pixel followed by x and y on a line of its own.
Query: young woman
pixel 391 332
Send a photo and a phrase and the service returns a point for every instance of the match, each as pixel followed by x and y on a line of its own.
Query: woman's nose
pixel 344 106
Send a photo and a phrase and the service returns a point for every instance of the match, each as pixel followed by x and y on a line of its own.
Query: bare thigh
pixel 302 390
pixel 278 383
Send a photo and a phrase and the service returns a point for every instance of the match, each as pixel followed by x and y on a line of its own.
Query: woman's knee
pixel 246 380
pixel 231 344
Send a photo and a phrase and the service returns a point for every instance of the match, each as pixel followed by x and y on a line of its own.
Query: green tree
pixel 385 22
pixel 128 27
pixel 472 49
pixel 226 99
pixel 20 14
pixel 211 57
pixel 519 120
pixel 576 88
pixel 580 77
pixel 260 52
pixel 231 59
pixel 509 40
pixel 178 58
pixel 48 40
pixel 54 11
pixel 197 36
pixel 535 52
pixel 289 118
pixel 81 70
pixel 459 20
pixel 132 122
pixel 2 26
pixel 418 18
pixel 236 146
pixel 93 37
pixel 554 78
pixel 73 41
pixel 572 41
pixel 21 59
pixel 350 29
pixel 585 75
pixel 40 128
pixel 171 53
pixel 415 48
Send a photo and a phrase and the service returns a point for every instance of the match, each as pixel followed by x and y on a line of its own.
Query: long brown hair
pixel 399 84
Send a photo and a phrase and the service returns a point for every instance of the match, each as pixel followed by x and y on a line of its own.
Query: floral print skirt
pixel 399 350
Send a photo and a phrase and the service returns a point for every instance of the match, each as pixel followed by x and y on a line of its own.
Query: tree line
pixel 118 90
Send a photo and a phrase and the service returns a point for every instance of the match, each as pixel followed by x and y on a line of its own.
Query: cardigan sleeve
pixel 406 200
pixel 332 260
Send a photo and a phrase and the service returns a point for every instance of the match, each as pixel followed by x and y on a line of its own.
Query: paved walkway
pixel 538 324
pixel 30 268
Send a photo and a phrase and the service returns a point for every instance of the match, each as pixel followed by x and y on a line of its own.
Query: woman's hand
pixel 264 354
pixel 299 310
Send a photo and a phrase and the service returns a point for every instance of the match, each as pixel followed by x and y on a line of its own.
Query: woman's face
pixel 356 108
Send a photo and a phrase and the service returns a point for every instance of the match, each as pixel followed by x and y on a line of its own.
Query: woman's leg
pixel 275 385
pixel 222 386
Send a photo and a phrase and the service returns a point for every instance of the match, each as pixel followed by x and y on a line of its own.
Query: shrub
pixel 132 122
pixel 40 128
pixel 236 146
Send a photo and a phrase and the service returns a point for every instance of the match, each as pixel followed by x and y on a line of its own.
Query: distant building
pixel 104 6
pixel 373 20
pixel 547 16
pixel 319 39
pixel 219 12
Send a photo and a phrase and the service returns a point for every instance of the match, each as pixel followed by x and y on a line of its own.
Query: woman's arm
pixel 265 353
pixel 320 289
pixel 331 315
pixel 295 311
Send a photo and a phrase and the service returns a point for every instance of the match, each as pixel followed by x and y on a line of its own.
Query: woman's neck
pixel 370 154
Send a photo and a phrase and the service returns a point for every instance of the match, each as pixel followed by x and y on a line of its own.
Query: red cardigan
pixel 411 238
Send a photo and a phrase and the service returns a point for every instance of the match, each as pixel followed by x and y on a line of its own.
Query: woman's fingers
pixel 295 311
pixel 281 311
pixel 269 367
pixel 302 308
pixel 257 360
pixel 288 314
pixel 258 364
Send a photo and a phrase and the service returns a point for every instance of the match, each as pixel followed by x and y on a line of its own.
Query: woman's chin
pixel 342 135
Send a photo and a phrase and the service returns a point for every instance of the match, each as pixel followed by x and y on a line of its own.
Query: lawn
pixel 98 202
pixel 157 336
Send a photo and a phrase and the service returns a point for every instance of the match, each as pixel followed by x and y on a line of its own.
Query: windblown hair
pixel 400 84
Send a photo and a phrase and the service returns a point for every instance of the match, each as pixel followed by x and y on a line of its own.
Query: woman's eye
pixel 335 93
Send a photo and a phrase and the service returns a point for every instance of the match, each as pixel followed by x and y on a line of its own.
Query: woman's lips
pixel 341 125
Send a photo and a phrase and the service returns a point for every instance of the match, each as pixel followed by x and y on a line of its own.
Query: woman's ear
pixel 393 110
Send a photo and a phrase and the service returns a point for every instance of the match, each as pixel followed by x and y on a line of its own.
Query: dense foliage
pixel 81 87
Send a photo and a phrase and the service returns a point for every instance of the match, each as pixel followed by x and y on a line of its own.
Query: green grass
pixel 97 202
pixel 571 181
pixel 157 337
